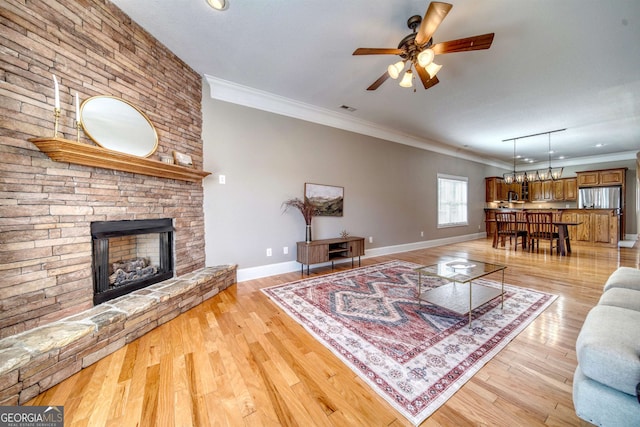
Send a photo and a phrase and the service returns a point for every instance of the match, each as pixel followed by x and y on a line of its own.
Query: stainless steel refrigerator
pixel 600 198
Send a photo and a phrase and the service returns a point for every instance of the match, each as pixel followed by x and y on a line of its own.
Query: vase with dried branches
pixel 307 210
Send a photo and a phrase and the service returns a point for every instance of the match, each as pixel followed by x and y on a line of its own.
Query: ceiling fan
pixel 418 49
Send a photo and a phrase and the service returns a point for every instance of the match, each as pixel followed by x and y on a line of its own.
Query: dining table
pixel 563 235
pixel 564 243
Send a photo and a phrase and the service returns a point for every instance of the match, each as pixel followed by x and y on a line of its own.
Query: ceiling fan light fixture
pixel 432 69
pixel 407 79
pixel 426 57
pixel 218 4
pixel 394 70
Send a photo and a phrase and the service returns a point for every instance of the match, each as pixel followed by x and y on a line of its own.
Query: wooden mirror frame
pixel 117 125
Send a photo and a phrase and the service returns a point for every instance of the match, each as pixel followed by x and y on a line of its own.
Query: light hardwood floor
pixel 238 360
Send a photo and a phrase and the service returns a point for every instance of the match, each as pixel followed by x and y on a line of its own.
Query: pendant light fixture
pixel 510 178
pixel 550 173
pixel 530 176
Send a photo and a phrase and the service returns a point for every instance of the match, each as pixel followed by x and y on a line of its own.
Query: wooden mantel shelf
pixel 64 150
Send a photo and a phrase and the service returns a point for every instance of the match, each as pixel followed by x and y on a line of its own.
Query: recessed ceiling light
pixel 218 4
pixel 561 157
pixel 599 145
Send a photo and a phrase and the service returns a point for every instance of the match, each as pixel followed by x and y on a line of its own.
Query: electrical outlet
pixel 268 251
pixel 370 239
pixel 222 179
pixel 285 250
pixel 422 234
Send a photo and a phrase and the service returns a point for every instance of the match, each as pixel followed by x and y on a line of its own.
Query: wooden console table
pixel 318 251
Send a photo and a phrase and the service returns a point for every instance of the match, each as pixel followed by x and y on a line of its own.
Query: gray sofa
pixel 607 380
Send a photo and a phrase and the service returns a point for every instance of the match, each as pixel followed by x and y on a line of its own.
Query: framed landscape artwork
pixel 327 198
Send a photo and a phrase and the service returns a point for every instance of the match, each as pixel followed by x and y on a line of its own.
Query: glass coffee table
pixel 460 288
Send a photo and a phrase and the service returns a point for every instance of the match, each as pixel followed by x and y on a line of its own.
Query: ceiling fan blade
pixel 434 15
pixel 377 51
pixel 427 81
pixel 463 45
pixel 375 85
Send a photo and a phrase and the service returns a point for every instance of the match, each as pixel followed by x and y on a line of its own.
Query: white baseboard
pixel 630 237
pixel 250 273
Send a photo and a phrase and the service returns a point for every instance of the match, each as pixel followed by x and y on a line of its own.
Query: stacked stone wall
pixel 46 207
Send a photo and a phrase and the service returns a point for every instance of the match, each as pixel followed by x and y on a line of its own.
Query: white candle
pixel 77 109
pixel 56 93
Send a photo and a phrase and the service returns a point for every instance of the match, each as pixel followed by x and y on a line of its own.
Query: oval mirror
pixel 116 125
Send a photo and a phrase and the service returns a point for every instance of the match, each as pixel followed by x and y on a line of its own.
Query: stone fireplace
pixel 50 324
pixel 47 248
pixel 129 255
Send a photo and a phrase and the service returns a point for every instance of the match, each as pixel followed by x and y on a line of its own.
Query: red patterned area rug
pixel 415 355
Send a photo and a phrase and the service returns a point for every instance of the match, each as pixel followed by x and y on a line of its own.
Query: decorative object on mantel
pixel 118 125
pixel 78 125
pixel 56 105
pixel 167 159
pixel 344 234
pixel 63 150
pixel 182 159
pixel 307 210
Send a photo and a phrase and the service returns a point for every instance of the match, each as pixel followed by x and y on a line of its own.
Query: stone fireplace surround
pixel 49 327
pixel 33 361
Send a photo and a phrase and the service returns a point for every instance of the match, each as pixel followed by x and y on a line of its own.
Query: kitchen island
pixel 599 227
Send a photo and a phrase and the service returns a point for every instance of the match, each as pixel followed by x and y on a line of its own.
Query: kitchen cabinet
pixel 490 222
pixel 601 178
pixel 558 190
pixel 598 226
pixel 547 191
pixel 492 189
pixel 540 191
pixel 570 189
pixel 496 190
pixel 565 189
pixel 535 191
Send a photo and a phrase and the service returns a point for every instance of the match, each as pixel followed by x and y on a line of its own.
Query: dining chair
pixel 507 226
pixel 540 227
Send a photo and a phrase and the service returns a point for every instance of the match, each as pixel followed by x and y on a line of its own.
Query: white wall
pixel 266 158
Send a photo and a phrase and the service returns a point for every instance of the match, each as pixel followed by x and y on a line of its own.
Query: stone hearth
pixel 36 360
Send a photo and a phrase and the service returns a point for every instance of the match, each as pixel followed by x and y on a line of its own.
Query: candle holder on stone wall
pixel 78 127
pixel 56 118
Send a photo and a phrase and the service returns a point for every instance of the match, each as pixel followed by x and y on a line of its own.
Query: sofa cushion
pixel 624 277
pixel 608 347
pixel 602 405
pixel 621 297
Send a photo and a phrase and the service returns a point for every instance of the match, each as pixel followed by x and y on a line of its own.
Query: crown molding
pixel 579 161
pixel 224 90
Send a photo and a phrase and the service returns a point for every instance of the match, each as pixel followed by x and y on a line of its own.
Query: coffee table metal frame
pixel 461 271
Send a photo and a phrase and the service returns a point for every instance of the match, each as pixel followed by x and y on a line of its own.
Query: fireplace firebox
pixel 129 255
